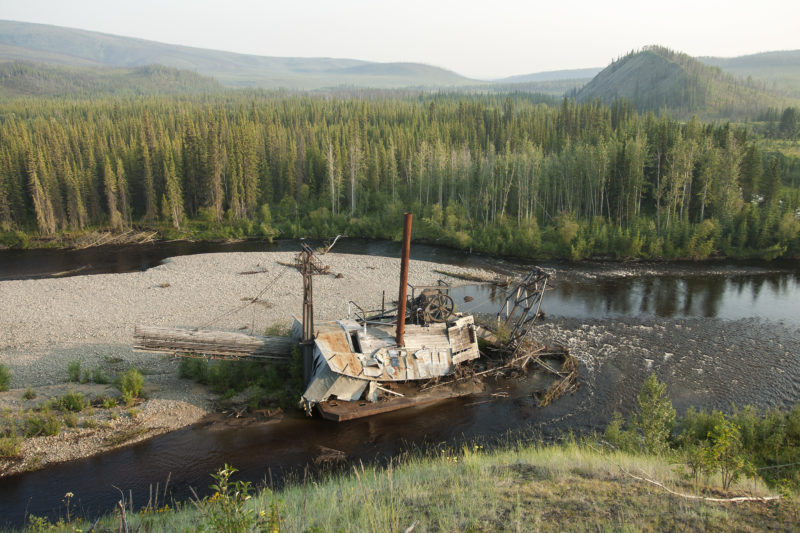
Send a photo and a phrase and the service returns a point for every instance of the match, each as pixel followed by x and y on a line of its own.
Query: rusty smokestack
pixel 401 309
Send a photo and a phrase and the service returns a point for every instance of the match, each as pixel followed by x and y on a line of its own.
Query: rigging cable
pixel 249 301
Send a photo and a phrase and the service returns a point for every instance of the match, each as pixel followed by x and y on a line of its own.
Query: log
pixel 212 344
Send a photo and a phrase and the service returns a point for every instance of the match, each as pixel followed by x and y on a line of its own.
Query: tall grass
pixel 5 378
pixel 524 487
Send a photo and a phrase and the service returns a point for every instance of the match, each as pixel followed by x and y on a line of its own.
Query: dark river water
pixel 262 451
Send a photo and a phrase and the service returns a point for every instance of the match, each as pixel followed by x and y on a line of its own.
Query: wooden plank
pixel 466 355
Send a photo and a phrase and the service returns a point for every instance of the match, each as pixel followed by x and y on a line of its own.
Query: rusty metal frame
pixel 522 305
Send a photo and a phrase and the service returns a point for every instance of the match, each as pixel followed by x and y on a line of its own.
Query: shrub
pixel 196 369
pixel 219 376
pixel 128 398
pixel 5 378
pixel 107 402
pixel 725 453
pixel 131 386
pixel 281 384
pixel 9 447
pixel 30 394
pixel 71 401
pixel 98 376
pixel 41 424
pixel 619 437
pixel 227 509
pixel 74 371
pixel 255 398
pixel 654 416
pixel 70 420
pixel 230 393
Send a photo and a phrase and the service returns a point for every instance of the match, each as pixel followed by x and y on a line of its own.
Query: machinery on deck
pixel 369 362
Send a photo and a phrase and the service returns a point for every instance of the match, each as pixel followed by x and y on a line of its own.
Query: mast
pixel 309 266
pixel 401 311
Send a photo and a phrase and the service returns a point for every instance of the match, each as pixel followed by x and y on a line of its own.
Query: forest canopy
pixel 510 174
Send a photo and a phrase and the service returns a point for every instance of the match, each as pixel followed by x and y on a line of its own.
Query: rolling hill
pixel 553 82
pixel 40 43
pixel 658 79
pixel 780 70
pixel 38 59
pixel 21 78
pixel 579 74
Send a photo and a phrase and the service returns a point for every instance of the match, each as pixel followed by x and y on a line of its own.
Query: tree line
pixel 512 174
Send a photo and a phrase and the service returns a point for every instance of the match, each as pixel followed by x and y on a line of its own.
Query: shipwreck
pixel 419 352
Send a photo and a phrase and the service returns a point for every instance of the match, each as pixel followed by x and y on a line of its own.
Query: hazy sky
pixel 483 39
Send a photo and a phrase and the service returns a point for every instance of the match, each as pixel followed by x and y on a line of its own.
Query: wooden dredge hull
pixel 561 368
pixel 341 411
pixel 379 362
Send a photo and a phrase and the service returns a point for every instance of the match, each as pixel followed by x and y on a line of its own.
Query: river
pixel 596 305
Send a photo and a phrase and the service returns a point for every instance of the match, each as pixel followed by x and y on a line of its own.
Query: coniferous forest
pixel 516 174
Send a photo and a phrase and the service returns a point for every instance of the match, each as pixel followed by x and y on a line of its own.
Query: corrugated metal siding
pixel 430 351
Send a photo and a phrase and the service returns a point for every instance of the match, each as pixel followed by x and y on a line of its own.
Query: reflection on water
pixel 769 296
pixel 260 453
pixel 766 296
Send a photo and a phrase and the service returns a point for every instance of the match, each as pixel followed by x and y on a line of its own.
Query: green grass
pixel 263 384
pixel 526 487
pixel 10 447
pixel 5 378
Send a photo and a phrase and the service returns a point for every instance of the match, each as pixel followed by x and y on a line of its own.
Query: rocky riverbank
pixel 48 324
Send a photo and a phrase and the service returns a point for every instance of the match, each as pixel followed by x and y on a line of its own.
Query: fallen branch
pixel 500 282
pixel 736 499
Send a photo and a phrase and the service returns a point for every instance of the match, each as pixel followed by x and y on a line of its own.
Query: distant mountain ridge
pixel 37 59
pixel 779 69
pixel 553 75
pixel 659 79
pixel 20 78
pixel 22 41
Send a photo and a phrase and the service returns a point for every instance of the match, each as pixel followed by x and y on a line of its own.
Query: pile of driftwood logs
pixel 212 344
